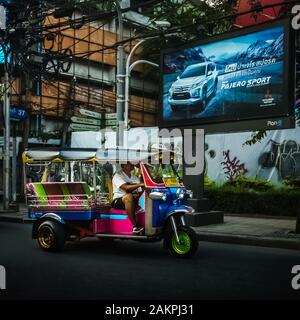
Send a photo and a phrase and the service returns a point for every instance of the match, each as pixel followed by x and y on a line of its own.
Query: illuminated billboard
pixel 242 75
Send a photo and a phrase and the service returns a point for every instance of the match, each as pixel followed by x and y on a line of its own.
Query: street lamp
pixel 129 66
pixel 120 76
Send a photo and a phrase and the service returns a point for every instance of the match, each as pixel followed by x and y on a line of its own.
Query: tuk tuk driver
pixel 125 183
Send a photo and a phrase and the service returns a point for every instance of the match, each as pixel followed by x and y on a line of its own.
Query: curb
pixel 14 219
pixel 283 243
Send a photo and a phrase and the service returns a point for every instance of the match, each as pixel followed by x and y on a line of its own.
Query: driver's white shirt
pixel 119 179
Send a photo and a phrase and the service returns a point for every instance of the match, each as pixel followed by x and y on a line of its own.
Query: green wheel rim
pixel 185 243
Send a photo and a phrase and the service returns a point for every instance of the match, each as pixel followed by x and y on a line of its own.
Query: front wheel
pixel 215 88
pixel 188 242
pixel 204 100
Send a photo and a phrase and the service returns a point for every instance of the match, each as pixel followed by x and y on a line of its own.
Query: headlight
pixel 195 85
pixel 180 193
pixel 158 196
pixel 171 91
pixel 190 193
pixel 195 90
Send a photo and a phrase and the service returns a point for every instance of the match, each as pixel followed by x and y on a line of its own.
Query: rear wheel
pixel 51 236
pixel 188 242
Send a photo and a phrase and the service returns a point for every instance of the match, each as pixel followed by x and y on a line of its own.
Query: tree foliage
pixel 256 137
pixel 190 20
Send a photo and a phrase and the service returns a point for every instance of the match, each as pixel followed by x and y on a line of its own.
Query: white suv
pixel 195 85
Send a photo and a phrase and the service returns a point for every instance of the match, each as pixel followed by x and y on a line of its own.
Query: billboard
pixel 242 75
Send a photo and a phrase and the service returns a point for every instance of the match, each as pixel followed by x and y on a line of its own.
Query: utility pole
pixel 6 158
pixel 6 114
pixel 120 78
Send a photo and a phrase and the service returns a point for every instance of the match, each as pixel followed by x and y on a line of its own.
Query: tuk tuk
pixel 69 195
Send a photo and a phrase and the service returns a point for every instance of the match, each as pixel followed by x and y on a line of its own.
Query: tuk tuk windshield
pixel 160 172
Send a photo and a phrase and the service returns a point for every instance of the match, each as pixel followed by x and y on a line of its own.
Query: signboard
pixel 98 115
pixel 242 75
pixel 91 114
pixel 83 127
pixel 86 121
pixel 111 127
pixel 110 116
pixel 18 113
pixel 110 122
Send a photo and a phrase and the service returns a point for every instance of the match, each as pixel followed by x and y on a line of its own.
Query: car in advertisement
pixel 196 84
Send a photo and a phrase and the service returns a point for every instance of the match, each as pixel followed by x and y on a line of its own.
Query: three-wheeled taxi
pixel 69 194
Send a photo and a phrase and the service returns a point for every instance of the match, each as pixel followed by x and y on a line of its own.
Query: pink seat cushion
pixel 116 211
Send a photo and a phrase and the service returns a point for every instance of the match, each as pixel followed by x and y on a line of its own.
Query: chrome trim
pixel 120 236
pixel 190 210
pixel 180 193
pixel 182 220
pixel 149 230
pixel 157 196
pixel 52 216
pixel 174 227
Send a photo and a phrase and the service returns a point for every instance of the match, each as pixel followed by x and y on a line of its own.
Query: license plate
pixel 171 182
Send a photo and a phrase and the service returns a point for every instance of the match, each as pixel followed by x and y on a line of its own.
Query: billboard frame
pixel 287 120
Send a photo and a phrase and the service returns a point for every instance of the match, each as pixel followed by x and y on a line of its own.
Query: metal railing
pixel 75 201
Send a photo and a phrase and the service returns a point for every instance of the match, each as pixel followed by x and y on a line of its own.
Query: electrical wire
pixel 111 49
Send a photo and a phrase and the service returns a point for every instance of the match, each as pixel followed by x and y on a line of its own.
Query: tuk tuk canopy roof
pixel 93 155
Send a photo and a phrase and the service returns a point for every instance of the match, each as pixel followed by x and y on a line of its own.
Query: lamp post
pixel 6 162
pixel 6 114
pixel 129 68
pixel 120 77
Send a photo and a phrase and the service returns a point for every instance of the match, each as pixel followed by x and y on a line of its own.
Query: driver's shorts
pixel 118 204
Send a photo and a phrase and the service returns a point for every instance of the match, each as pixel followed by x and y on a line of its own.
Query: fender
pixel 179 210
pixel 47 216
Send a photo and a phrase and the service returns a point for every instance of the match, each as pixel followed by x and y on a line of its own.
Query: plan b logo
pixel 276 123
pixel 231 67
pixel 2 278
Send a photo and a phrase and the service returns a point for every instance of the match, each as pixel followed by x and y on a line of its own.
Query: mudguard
pixel 47 216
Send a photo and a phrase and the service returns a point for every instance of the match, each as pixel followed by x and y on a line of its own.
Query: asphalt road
pixel 92 269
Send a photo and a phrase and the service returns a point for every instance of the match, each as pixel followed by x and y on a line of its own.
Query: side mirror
pixel 178 78
pixel 209 73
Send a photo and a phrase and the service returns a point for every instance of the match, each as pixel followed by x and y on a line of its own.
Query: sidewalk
pixel 12 216
pixel 254 231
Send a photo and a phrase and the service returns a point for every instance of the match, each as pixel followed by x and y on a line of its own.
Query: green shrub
pixel 278 202
pixel 292 183
pixel 208 183
pixel 243 182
